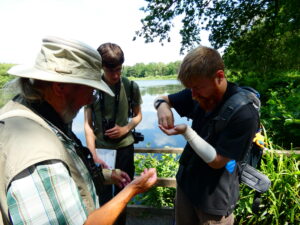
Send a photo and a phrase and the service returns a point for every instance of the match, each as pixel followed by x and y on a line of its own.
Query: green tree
pixel 172 68
pixel 130 71
pixel 226 20
pixel 4 76
pixel 269 46
pixel 141 70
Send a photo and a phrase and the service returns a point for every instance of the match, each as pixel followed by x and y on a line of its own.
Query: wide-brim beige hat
pixel 65 61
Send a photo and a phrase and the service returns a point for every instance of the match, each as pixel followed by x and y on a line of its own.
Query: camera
pixel 137 136
pixel 106 125
pixel 95 171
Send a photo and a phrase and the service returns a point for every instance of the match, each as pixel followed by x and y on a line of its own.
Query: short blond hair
pixel 200 62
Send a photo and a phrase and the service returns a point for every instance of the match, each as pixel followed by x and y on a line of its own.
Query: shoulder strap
pixel 243 97
pixel 117 99
pixel 128 85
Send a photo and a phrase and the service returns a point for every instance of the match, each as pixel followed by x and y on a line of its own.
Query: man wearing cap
pixel 46 175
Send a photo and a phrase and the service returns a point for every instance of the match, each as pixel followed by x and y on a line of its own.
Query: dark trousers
pixel 187 214
pixel 124 162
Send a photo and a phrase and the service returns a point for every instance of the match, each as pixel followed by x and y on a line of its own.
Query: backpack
pixel 250 162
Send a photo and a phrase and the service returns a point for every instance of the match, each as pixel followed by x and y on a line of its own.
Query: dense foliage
pixel 166 166
pixel 4 76
pixel 226 20
pixel 280 111
pixel 279 205
pixel 270 45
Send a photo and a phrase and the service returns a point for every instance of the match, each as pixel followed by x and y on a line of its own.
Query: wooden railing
pixel 171 182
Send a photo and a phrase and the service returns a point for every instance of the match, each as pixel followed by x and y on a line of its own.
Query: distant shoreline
pixel 169 77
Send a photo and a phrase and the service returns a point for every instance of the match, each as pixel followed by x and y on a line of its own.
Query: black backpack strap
pixel 243 96
pixel 130 100
pixel 231 106
pixel 248 174
pixel 128 85
pixel 117 100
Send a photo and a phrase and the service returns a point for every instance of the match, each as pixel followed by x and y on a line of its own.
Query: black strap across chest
pixel 117 100
pixel 129 95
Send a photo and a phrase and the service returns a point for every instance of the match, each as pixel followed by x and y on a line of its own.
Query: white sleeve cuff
pixel 200 146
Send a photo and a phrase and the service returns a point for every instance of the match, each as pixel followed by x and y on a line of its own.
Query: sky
pixel 25 22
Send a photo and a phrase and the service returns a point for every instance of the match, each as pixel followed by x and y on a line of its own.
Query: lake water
pixel 154 137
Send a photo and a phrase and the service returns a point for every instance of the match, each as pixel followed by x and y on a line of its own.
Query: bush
pixel 281 113
pixel 166 166
pixel 279 205
pixel 280 98
pixel 4 76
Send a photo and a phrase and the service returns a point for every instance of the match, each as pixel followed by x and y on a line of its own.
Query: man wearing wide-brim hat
pixel 46 175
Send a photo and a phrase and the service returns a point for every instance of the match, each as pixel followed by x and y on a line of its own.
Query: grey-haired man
pixel 46 175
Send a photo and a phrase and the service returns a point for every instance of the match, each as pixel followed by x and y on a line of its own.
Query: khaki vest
pixel 121 117
pixel 20 129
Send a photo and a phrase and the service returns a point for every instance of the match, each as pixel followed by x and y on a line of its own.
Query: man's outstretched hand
pixel 178 129
pixel 145 181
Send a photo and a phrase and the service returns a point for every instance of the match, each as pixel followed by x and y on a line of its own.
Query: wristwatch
pixel 158 102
